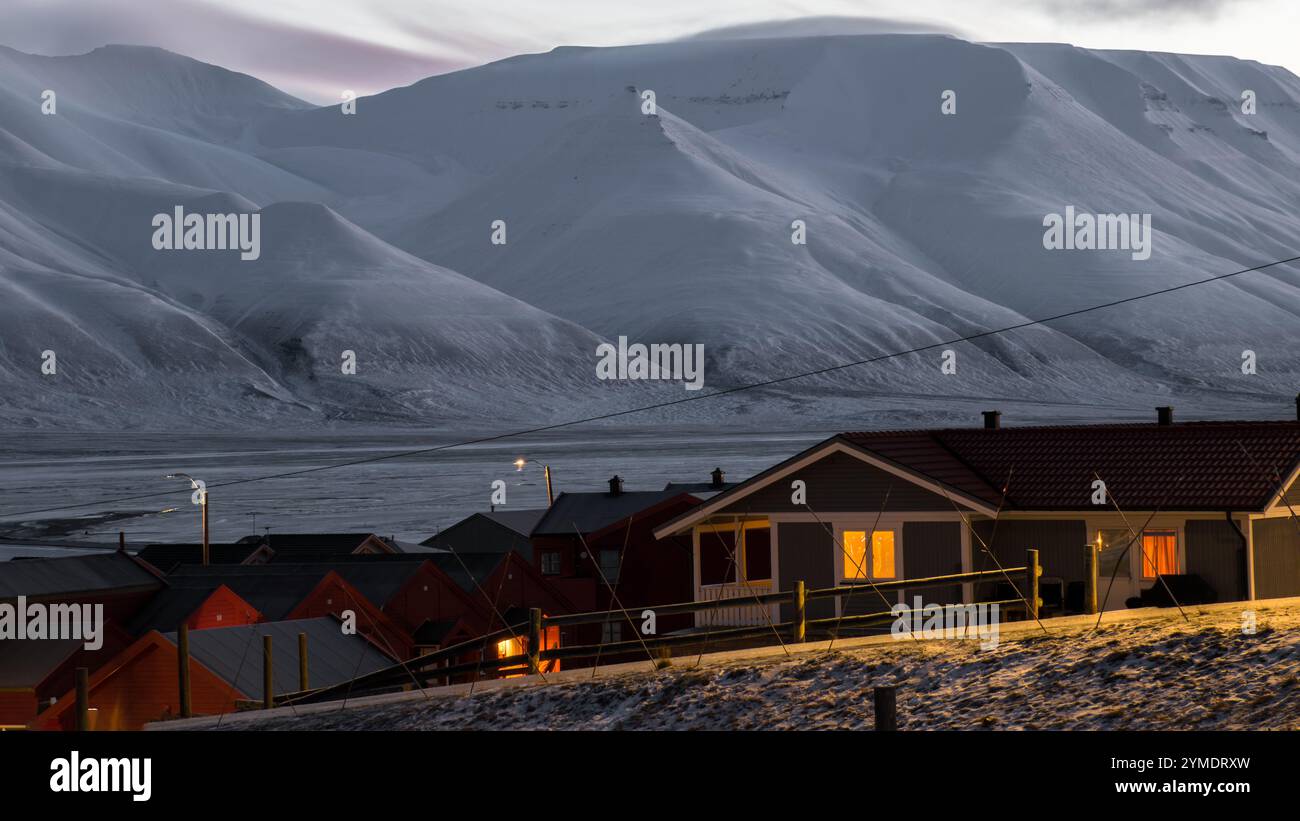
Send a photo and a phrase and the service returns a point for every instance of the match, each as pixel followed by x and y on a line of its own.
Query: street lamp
pixel 200 497
pixel 521 463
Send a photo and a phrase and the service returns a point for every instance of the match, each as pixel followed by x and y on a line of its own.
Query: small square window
pixel 1159 553
pixel 551 563
pixel 611 632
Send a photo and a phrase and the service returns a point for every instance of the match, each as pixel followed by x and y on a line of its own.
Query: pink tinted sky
pixel 316 48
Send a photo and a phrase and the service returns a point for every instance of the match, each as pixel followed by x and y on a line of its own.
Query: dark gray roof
pixel 494 531
pixel 700 489
pixel 169 607
pixel 275 590
pixel 235 654
pixel 68 575
pixel 318 542
pixel 520 521
pixel 167 557
pixel 25 663
pixel 377 581
pixel 595 511
pixel 468 570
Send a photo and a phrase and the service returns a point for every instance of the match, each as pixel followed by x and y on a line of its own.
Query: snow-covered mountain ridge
pixel 921 226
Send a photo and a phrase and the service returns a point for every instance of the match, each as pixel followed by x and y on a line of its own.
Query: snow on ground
pixel 1142 671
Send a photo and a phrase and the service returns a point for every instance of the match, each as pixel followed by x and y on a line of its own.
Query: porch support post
pixel 1032 572
pixel 799 599
pixel 534 640
pixel 1090 579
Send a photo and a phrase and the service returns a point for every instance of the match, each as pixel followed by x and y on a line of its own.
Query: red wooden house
pixel 140 685
pixel 599 551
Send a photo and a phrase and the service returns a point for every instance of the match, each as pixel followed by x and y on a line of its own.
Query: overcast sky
pixel 315 48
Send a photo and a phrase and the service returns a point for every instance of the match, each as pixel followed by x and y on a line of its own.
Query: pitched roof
pixel 468 570
pixel 590 512
pixel 520 521
pixel 1185 466
pixel 235 654
pixel 275 590
pixel 167 557
pixel 68 575
pixel 318 542
pixel 169 607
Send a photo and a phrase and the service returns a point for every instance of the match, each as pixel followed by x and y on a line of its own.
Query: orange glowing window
pixel 1159 553
pixel 855 554
pixel 510 647
pixel 879 564
pixel 882 554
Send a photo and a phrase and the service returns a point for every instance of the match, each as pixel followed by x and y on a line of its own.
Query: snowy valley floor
pixel 1143 670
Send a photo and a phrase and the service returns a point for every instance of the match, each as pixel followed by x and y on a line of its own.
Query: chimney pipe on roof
pixel 615 486
pixel 992 420
pixel 1164 415
pixel 717 473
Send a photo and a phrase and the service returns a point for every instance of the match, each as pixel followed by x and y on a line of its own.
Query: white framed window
pixel 551 563
pixel 1159 553
pixel 867 553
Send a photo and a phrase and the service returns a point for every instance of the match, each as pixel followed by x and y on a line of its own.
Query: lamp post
pixel 200 498
pixel 521 463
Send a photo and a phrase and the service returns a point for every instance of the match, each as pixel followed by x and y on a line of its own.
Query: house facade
pixel 1202 509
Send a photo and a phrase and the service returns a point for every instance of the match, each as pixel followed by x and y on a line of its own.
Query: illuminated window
pixel 510 647
pixel 878 563
pixel 882 554
pixel 855 554
pixel 1159 553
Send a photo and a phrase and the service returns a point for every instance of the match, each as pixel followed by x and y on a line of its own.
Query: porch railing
pixel 746 613
pixel 427 670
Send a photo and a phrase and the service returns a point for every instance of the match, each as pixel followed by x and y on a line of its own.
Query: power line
pixel 673 402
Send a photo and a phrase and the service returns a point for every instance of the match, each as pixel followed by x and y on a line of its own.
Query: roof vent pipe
pixel 1164 415
pixel 992 420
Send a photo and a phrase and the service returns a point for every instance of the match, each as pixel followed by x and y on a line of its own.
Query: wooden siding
pixel 806 551
pixel 142 687
pixel 1059 543
pixel 839 483
pixel 932 549
pixel 1277 558
pixel 1217 553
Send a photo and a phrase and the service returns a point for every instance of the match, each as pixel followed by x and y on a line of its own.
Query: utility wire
pixel 673 402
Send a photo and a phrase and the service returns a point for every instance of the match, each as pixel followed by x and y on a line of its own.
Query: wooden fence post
pixel 534 640
pixel 799 598
pixel 886 704
pixel 1032 572
pixel 1090 579
pixel 268 675
pixel 183 669
pixel 83 699
pixel 303 681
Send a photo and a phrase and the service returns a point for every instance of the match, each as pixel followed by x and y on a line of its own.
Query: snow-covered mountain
pixel 921 227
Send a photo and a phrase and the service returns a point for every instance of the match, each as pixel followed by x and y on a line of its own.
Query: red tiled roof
pixel 1185 466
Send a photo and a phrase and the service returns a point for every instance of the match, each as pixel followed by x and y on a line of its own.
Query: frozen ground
pixel 1147 674
pixel 409 497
